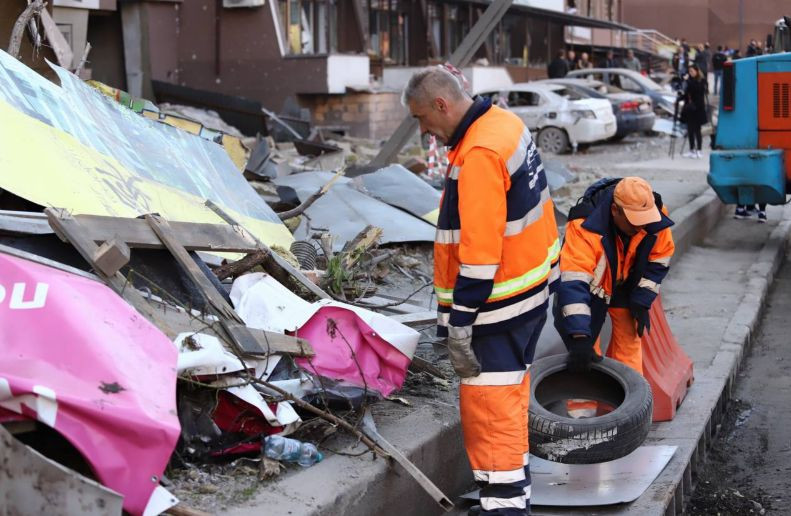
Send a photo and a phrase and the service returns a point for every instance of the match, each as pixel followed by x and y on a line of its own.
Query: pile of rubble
pixel 173 294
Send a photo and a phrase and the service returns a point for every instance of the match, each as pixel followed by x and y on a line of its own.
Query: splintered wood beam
pixel 168 237
pixel 193 236
pixel 111 256
pixel 69 230
pixel 278 260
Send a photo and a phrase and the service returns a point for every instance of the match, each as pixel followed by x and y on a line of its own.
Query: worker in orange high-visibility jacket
pixel 615 254
pixel 495 266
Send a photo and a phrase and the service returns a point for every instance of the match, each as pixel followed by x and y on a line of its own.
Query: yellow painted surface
pixel 51 168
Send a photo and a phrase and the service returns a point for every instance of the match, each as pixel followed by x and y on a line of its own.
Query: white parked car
pixel 559 124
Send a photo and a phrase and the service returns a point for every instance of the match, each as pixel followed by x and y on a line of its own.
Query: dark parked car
pixel 633 111
pixel 663 97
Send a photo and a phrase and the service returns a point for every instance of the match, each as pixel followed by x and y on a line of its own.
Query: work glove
pixel 460 352
pixel 640 314
pixel 581 355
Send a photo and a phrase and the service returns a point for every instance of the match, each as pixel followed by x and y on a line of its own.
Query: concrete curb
pixel 430 437
pixel 675 485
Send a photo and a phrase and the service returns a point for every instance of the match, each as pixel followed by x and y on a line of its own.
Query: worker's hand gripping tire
pixel 582 355
pixel 460 352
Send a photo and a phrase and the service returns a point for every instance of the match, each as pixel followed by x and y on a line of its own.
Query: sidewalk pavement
pixel 712 295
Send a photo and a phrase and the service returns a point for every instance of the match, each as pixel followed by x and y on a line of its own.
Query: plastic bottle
pixel 290 450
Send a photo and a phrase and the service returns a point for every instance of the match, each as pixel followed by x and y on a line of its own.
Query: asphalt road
pixel 748 470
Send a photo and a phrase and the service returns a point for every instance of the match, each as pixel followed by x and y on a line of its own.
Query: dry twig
pixel 313 198
pixel 19 27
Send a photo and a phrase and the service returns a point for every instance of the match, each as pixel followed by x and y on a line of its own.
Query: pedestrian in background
pixel 559 67
pixel 631 62
pixel 584 63
pixel 717 62
pixel 752 48
pixel 694 113
pixel 572 59
pixel 496 259
pixel 609 61
pixel 702 59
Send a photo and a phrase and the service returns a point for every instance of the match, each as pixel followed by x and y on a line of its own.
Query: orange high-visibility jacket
pixel 497 246
pixel 595 267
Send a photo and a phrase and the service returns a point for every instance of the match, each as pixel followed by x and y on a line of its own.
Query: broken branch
pixel 19 27
pixel 290 214
pixel 238 267
pixel 326 416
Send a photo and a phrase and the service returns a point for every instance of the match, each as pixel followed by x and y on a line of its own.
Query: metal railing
pixel 651 41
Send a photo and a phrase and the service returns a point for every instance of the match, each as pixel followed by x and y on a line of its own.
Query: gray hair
pixel 432 81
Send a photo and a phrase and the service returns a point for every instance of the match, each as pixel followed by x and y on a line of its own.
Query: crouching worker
pixel 495 266
pixel 615 254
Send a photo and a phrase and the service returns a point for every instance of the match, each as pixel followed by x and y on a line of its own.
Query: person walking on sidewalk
pixel 717 63
pixel 495 266
pixel 616 253
pixel 744 211
pixel 694 114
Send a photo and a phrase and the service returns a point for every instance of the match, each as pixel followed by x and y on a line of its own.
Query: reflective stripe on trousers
pixel 494 418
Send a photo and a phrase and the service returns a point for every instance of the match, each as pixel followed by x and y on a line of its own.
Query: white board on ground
pixel 586 485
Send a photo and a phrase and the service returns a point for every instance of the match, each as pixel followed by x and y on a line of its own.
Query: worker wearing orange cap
pixel 615 255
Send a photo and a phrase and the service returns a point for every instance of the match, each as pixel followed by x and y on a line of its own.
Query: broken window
pixel 388 26
pixel 309 26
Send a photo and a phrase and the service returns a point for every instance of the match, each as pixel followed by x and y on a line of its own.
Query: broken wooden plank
pixel 279 260
pixel 69 230
pixel 420 364
pixel 359 245
pixel 239 267
pixel 180 321
pixel 185 510
pixel 165 232
pixel 423 481
pixel 193 236
pixel 57 41
pixel 416 318
pixel 28 223
pixel 111 256
pixel 380 303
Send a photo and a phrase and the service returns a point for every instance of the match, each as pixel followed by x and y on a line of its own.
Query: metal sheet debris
pixel 399 187
pixel 589 485
pixel 30 483
pixel 72 147
pixel 345 211
pixel 109 383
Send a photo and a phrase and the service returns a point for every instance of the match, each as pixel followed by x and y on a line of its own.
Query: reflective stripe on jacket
pixel 594 266
pixel 497 245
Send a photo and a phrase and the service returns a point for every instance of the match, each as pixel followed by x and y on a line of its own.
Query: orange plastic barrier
pixel 665 365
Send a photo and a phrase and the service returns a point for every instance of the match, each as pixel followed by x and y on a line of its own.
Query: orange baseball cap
pixel 635 196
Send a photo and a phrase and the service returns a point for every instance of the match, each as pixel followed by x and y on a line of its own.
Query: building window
pixel 388 26
pixel 309 26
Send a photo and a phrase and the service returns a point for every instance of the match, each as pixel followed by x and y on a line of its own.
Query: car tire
pixel 553 139
pixel 603 438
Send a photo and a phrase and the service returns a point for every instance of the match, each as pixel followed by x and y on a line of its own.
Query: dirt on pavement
pixel 748 468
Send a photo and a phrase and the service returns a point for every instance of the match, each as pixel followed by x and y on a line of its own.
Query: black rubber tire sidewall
pixel 596 439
